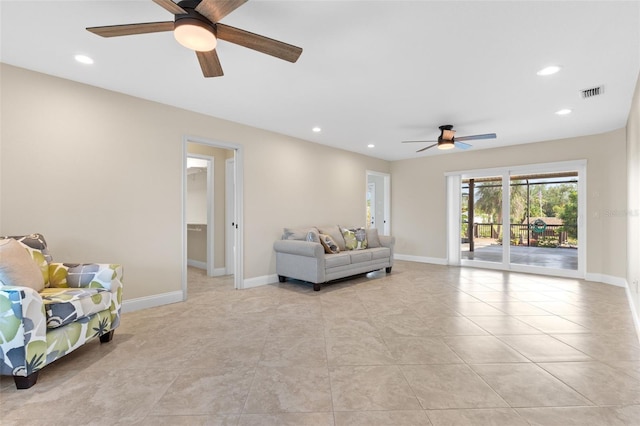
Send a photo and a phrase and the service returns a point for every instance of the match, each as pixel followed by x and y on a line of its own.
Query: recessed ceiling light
pixel 564 111
pixel 549 70
pixel 316 129
pixel 83 59
pixel 371 145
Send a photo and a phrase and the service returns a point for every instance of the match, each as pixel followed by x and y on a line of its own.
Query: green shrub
pixel 548 242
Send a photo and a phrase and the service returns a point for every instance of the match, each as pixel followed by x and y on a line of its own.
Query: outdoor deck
pixel 554 258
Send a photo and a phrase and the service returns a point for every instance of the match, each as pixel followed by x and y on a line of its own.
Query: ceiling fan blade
pixel 215 10
pixel 424 149
pixel 418 141
pixel 462 145
pixel 210 64
pixel 130 29
pixel 476 137
pixel 170 7
pixel 259 43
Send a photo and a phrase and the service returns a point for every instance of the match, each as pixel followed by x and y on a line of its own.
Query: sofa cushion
pixel 338 259
pixel 355 238
pixel 17 268
pixel 373 240
pixel 66 305
pixel 336 234
pixel 329 245
pixel 302 234
pixel 359 256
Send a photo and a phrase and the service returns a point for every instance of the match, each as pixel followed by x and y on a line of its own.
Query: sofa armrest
pixel 300 248
pixel 23 328
pixel 91 275
pixel 85 275
pixel 387 241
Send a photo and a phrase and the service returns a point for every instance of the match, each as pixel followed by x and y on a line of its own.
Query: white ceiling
pixel 371 71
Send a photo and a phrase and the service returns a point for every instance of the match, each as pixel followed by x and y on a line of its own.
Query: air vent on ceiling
pixel 591 92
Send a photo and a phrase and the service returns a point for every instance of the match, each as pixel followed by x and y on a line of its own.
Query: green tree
pixel 556 195
pixel 488 201
pixel 568 212
pixel 518 202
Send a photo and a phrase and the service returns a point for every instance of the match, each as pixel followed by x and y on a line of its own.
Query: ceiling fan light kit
pixel 194 34
pixel 445 144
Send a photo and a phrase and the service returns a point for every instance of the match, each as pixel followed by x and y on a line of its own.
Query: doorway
pixel 223 195
pixel 378 202
pixel 525 218
pixel 200 212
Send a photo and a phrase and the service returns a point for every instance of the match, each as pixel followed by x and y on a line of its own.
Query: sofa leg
pixel 388 269
pixel 316 287
pixel 26 382
pixel 107 337
pixel 282 278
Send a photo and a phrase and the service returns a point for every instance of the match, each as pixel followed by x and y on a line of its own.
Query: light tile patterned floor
pixel 424 345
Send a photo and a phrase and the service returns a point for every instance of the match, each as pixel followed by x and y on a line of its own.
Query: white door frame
pixel 453 215
pixel 386 198
pixel 371 199
pixel 239 235
pixel 210 210
pixel 230 216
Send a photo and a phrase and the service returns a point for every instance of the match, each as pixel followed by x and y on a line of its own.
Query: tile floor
pixel 425 345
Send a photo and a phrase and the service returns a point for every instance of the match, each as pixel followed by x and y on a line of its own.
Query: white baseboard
pixel 420 259
pixel 197 264
pixel 258 281
pixel 606 279
pixel 634 312
pixel 151 301
pixel 217 272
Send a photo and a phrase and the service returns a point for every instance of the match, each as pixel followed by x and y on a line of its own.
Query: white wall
pixel 419 198
pixel 100 175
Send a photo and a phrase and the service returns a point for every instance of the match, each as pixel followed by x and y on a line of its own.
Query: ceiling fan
pixel 447 139
pixel 197 26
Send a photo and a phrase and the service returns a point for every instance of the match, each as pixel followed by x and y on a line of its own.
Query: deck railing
pixel 523 234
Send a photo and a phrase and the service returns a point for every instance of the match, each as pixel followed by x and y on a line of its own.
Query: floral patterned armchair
pixel 78 302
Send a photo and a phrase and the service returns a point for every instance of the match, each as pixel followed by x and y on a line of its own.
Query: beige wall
pixel 419 194
pixel 99 174
pixel 633 199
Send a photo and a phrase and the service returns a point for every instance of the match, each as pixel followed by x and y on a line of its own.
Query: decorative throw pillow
pixel 355 238
pixel 373 240
pixel 302 234
pixel 335 233
pixel 17 268
pixel 329 245
pixel 36 246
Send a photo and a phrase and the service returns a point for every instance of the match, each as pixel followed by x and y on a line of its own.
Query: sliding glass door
pixel 481 219
pixel 526 218
pixel 544 226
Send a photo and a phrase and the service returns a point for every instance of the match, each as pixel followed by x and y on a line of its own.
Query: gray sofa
pixel 300 256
